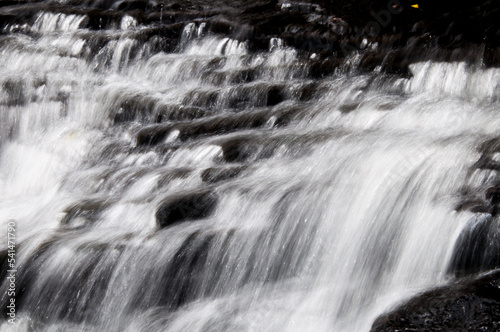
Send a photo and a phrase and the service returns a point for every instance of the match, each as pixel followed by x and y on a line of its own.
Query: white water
pixel 351 213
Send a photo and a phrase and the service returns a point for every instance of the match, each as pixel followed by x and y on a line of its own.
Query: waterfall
pixel 194 183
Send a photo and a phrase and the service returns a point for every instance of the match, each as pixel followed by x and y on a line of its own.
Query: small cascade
pixel 168 169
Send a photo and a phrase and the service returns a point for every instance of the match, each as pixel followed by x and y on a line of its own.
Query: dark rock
pixel 170 175
pixel 180 277
pixel 285 116
pixel 148 108
pixel 184 273
pixel 83 213
pixel 238 150
pixel 153 135
pixel 28 270
pixel 310 91
pixel 85 276
pixel 478 247
pixel 178 113
pixel 466 305
pixel 4 263
pixel 192 206
pixel 332 30
pixel 16 95
pixel 474 203
pixel 488 163
pixel 348 108
pixel 326 67
pixel 222 124
pixel 243 76
pixel 130 5
pixel 275 95
pixel 213 175
pixel 205 99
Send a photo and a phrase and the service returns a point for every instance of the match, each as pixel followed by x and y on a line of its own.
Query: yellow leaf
pixel 415 6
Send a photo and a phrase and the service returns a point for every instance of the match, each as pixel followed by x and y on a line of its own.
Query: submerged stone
pixel 212 175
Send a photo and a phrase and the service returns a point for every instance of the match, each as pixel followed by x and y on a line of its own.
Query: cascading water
pixel 306 204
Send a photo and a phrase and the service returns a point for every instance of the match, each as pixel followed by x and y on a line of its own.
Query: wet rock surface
pixel 471 304
pixel 190 207
pixel 390 34
pixel 237 117
pixel 478 247
pixel 213 175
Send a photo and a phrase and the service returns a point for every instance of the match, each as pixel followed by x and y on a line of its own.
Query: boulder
pixel 188 207
pixel 478 247
pixel 466 305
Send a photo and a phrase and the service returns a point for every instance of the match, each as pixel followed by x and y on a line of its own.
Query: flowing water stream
pixel 330 199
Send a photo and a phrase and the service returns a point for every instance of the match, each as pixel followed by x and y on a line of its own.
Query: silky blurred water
pixel 339 213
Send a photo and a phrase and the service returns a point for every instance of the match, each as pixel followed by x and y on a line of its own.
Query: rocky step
pixel 154 39
pixel 149 106
pixel 469 304
pixel 219 174
pixel 478 247
pixel 152 109
pixel 91 268
pixel 247 148
pixel 84 213
pixel 251 95
pixel 216 125
pixel 222 78
pixel 482 191
pixel 325 28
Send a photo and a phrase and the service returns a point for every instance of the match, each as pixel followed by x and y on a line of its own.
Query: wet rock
pixel 486 162
pixel 4 264
pixel 275 95
pixel 223 124
pixel 482 195
pixel 86 275
pixel 180 277
pixel 285 116
pixel 238 150
pixel 130 5
pixel 179 112
pixel 213 175
pixel 148 108
pixel 348 108
pixel 478 247
pixel 83 213
pixel 184 273
pixel 474 203
pixel 309 91
pixel 153 135
pixel 311 26
pixel 15 89
pixel 205 99
pixel 28 271
pixel 192 206
pixel 244 76
pixel 466 305
pixel 173 174
pixel 323 68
